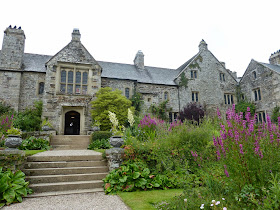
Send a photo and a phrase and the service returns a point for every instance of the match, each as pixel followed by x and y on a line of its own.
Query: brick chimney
pixel 275 58
pixel 11 56
pixel 139 60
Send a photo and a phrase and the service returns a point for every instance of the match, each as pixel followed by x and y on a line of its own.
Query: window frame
pixel 228 98
pixel 39 88
pixel 257 94
pixel 222 77
pixel 125 92
pixel 166 96
pixel 78 88
pixel 195 96
pixel 193 74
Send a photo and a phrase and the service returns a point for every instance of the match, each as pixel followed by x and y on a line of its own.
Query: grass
pixel 146 199
pixel 100 150
pixel 32 152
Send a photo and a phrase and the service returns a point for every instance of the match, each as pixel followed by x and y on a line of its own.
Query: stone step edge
pixel 65 183
pixel 65 161
pixel 68 192
pixel 45 169
pixel 65 175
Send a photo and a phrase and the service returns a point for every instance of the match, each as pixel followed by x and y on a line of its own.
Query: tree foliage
pixel 113 101
pixel 242 107
pixel 191 111
pixel 275 114
pixel 137 102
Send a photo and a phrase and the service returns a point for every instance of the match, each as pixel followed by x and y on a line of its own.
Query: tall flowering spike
pixel 113 119
pixel 279 123
pixel 130 117
pixel 226 172
pixel 241 149
pixel 219 113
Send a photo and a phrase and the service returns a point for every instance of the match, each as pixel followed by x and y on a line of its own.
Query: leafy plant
pixel 137 102
pixel 275 114
pixel 134 176
pixel 242 105
pixel 161 110
pixel 30 119
pixel 113 101
pixel 5 108
pixel 14 131
pixel 46 123
pixel 12 187
pixel 192 111
pixel 98 135
pixel 6 123
pixel 100 144
pixel 183 80
pixel 33 143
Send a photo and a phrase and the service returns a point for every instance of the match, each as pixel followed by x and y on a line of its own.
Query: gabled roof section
pixel 185 65
pixel 272 67
pixel 74 52
pixel 150 75
pixel 275 68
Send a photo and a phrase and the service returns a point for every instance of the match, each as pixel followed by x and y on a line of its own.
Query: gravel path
pixel 87 201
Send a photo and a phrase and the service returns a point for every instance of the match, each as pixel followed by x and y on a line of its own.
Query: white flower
pixel 213 201
pixel 185 200
pixel 113 119
pixel 202 206
pixel 223 199
pixel 212 204
pixel 225 208
pixel 130 117
pixel 217 203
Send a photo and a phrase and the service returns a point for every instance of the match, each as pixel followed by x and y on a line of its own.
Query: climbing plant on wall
pixel 183 80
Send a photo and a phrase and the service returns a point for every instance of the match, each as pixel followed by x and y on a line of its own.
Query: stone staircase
pixel 61 172
pixel 69 142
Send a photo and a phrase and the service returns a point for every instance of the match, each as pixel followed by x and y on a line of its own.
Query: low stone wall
pixel 12 159
pixel 40 134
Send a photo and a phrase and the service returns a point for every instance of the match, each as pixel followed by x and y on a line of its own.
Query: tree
pixel 191 111
pixel 242 107
pixel 113 101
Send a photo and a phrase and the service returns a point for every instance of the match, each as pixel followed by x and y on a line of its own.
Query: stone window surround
pixel 194 74
pixel 166 95
pixel 81 67
pixel 172 116
pixel 228 98
pixel 195 96
pixel 257 95
pixel 261 116
pixel 125 93
pixel 222 77
pixel 38 87
pixel 254 74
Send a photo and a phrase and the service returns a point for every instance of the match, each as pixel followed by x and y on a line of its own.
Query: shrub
pixel 242 107
pixel 134 176
pixel 6 123
pixel 100 144
pixel 13 187
pixel 275 114
pixel 30 119
pixel 161 110
pixel 137 102
pixel 14 131
pixel 192 111
pixel 98 135
pixel 33 143
pixel 5 108
pixel 113 101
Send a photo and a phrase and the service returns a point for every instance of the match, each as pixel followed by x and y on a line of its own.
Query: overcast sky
pixel 168 32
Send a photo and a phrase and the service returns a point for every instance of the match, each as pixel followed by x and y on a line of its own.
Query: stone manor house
pixel 67 82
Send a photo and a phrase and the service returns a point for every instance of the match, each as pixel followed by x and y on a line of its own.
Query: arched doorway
pixel 72 123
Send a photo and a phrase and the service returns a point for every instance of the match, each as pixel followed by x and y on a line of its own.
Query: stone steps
pixel 68 171
pixel 65 178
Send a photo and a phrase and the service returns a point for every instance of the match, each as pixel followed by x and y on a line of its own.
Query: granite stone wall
pixel 29 89
pixel 208 84
pixel 267 81
pixel 10 87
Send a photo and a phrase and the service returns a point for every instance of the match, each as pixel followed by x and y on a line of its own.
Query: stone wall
pixel 208 84
pixel 268 83
pixel 119 84
pixel 29 89
pixel 10 87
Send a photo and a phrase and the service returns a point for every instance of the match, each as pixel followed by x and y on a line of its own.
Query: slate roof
pixel 271 66
pixel 182 67
pixel 152 75
pixel 35 62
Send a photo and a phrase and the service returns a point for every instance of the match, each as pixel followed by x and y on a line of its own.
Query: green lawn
pixel 32 152
pixel 146 199
pixel 100 150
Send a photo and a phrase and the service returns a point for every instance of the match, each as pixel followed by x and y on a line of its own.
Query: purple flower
pixel 226 172
pixel 241 149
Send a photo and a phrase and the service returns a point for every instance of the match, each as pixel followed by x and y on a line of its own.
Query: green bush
pixel 30 119
pixel 100 144
pixel 98 135
pixel 33 143
pixel 12 187
pixel 113 101
pixel 134 176
pixel 5 108
pixel 275 114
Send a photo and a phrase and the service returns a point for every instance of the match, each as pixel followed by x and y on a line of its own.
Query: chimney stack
pixel 275 58
pixel 76 36
pixel 139 60
pixel 202 45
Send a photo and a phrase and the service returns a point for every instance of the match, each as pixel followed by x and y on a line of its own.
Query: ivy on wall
pixel 183 80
